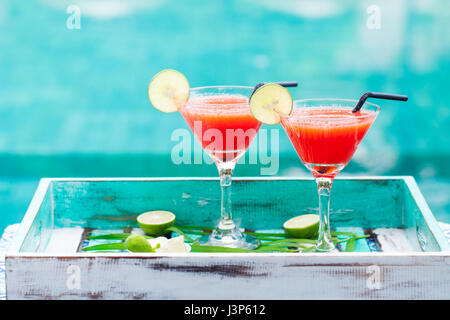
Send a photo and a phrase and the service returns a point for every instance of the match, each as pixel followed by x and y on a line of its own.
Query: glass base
pixel 325 247
pixel 231 239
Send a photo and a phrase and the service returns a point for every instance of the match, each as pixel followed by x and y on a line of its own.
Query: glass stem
pixel 226 221
pixel 227 233
pixel 325 242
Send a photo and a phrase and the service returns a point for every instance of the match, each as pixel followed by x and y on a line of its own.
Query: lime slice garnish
pixel 168 90
pixel 269 102
pixel 138 243
pixel 304 226
pixel 155 222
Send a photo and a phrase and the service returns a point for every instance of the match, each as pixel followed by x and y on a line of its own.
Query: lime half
pixel 168 90
pixel 304 226
pixel 155 222
pixel 269 102
pixel 138 243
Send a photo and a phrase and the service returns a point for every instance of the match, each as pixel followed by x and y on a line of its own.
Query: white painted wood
pixel 64 240
pixel 393 240
pixel 229 276
pixel 30 215
pixel 424 208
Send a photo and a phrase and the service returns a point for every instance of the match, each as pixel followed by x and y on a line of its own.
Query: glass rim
pixel 187 104
pixel 337 100
pixel 295 102
pixel 222 86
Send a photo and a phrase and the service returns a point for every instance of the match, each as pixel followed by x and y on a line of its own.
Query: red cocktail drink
pixel 221 120
pixel 222 124
pixel 326 134
pixel 326 138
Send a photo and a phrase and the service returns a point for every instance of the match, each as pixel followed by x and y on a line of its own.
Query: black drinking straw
pixel 378 95
pixel 283 84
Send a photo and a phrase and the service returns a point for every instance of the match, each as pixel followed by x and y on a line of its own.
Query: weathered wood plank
pixel 230 276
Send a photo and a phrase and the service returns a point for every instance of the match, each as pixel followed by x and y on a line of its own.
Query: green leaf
pixel 196 228
pixel 283 246
pixel 201 248
pixel 347 239
pixel 106 246
pixel 216 249
pixel 350 246
pixel 291 240
pixel 196 232
pixel 274 249
pixel 179 232
pixel 113 236
pixel 341 233
pixel 306 250
pixel 276 242
pixel 267 234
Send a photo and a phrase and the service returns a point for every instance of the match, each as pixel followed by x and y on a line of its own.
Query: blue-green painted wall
pixel 74 102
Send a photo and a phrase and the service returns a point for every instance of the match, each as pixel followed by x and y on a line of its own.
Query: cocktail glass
pixel 325 133
pixel 221 121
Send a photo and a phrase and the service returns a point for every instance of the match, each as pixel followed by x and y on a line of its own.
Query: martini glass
pixel 325 133
pixel 221 121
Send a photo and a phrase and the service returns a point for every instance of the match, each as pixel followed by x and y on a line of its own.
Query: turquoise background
pixel 73 102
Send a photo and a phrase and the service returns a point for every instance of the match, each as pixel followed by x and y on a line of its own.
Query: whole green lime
pixel 305 226
pixel 153 223
pixel 138 243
